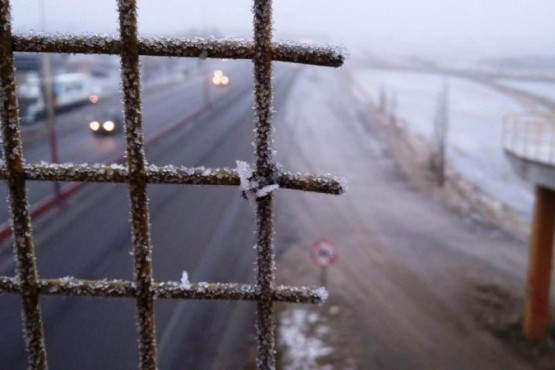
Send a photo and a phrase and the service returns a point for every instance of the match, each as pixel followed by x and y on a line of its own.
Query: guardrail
pixel 530 135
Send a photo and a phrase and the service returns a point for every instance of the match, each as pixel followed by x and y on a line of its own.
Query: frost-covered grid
pixel 257 184
pixel 530 136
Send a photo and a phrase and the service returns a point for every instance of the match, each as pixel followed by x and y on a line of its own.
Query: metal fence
pixel 137 174
pixel 530 136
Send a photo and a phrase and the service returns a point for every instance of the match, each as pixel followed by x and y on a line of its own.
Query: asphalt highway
pixel 206 231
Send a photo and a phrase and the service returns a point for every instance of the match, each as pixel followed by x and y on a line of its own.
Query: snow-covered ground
pixel 540 88
pixel 302 336
pixel 475 126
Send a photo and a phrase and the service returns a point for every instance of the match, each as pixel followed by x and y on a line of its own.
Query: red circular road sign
pixel 323 253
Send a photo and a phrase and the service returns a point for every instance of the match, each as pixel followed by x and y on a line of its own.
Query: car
pixel 219 78
pixel 108 123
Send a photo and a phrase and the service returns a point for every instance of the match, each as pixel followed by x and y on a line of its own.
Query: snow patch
pixel 301 332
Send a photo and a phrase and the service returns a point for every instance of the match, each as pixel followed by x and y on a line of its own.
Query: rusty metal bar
pixel 21 221
pixel 116 173
pixel 140 224
pixel 177 47
pixel 70 286
pixel 536 310
pixel 138 175
pixel 265 174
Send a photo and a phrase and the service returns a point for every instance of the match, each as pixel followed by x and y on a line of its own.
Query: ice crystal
pixel 260 193
pixel 322 293
pixel 185 284
pixel 250 185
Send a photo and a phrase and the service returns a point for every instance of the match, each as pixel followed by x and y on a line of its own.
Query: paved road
pixel 206 231
pixel 162 108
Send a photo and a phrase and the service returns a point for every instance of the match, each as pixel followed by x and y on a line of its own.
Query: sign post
pixel 323 254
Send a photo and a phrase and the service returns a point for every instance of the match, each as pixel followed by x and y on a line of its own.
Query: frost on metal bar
pixel 258 184
pixel 140 224
pixel 178 175
pixel 21 222
pixel 264 173
pixel 70 286
pixel 177 47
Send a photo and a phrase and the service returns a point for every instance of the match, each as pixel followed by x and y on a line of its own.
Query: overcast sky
pixel 446 27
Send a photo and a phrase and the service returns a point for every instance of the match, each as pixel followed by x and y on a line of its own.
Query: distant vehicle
pixel 69 90
pixel 74 88
pixel 220 79
pixel 108 123
pixel 29 96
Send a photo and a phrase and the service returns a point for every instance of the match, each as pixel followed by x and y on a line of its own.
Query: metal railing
pixel 530 136
pixel 138 175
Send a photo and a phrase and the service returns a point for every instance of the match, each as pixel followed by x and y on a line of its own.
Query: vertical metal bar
pixel 265 277
pixel 536 310
pixel 539 128
pixel 21 221
pixel 517 134
pixel 140 224
pixel 510 121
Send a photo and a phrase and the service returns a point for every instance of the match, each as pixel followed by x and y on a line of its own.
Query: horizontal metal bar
pixel 117 173
pixel 176 47
pixel 69 286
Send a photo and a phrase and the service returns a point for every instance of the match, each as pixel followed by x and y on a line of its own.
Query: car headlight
pixel 109 126
pixel 94 125
pixel 216 80
pixel 225 80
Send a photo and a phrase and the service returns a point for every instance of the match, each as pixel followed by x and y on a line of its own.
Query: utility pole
pixel 49 99
pixel 440 132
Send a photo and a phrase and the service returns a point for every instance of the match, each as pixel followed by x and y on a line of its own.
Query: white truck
pixel 69 89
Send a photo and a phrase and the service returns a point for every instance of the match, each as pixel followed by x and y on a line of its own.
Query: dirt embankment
pixel 414 155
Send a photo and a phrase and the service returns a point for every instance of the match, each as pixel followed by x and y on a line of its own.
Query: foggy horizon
pixel 474 30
